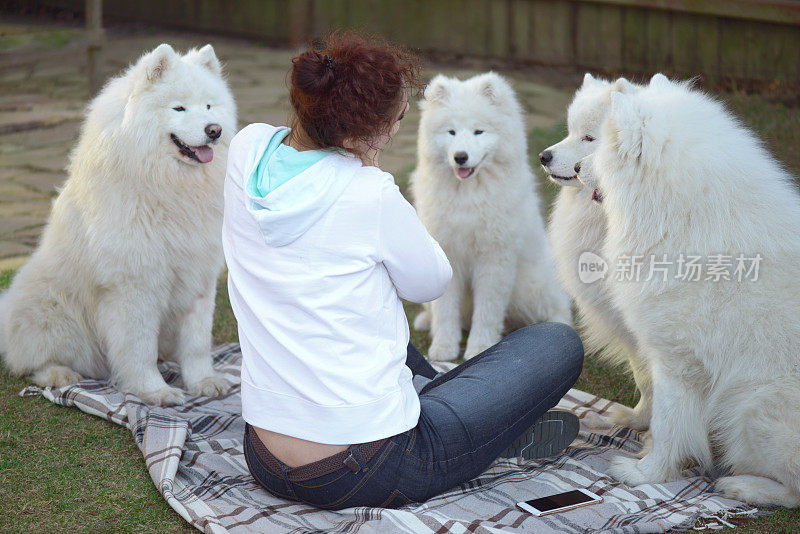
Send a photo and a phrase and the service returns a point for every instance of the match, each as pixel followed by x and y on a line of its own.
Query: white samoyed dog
pixel 577 230
pixel 682 179
pixel 475 192
pixel 127 266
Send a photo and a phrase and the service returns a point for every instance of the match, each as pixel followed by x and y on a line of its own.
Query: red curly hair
pixel 349 89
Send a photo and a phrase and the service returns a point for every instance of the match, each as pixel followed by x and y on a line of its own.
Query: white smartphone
pixel 559 502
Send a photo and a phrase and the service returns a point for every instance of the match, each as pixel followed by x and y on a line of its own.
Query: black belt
pixel 319 468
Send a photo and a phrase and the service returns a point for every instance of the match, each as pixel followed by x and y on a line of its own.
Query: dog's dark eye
pixel 587 138
pixel 179 108
pixel 478 132
pixel 208 106
pixel 451 132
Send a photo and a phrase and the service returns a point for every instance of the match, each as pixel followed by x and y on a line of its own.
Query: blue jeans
pixel 469 416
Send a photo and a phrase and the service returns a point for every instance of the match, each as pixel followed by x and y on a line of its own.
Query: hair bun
pixel 313 73
pixel 348 90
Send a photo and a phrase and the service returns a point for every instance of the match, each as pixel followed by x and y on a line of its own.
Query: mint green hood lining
pixel 279 163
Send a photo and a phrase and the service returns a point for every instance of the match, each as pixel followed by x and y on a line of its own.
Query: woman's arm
pixel 416 263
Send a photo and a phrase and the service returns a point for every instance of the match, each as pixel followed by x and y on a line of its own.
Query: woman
pixel 321 248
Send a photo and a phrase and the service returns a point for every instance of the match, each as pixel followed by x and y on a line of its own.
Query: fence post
pixel 301 13
pixel 96 35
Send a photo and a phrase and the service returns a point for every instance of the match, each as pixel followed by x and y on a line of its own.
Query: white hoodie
pixel 316 271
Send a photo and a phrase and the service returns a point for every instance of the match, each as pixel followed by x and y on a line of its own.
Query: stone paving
pixel 41 107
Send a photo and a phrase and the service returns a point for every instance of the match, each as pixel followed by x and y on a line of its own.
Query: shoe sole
pixel 548 436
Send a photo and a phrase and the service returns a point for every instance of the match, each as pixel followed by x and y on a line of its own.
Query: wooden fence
pixel 721 39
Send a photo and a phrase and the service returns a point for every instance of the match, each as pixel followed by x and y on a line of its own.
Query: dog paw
pixel 476 347
pixel 442 352
pixel 734 487
pixel 57 376
pixel 422 321
pixel 630 472
pixel 210 386
pixel 647 445
pixel 630 418
pixel 757 490
pixel 166 396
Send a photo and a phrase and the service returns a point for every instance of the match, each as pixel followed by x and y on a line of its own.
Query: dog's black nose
pixel 577 167
pixel 213 131
pixel 546 157
pixel 461 157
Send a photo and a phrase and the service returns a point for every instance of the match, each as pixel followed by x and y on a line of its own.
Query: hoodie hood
pixel 289 191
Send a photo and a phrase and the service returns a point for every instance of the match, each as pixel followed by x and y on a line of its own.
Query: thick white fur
pixel 578 224
pixel 489 224
pixel 127 266
pixel 680 175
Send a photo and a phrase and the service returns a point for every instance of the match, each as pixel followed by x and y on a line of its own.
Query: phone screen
pixel 560 500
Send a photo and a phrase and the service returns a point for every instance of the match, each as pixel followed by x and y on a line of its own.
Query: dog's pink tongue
pixel 204 153
pixel 463 172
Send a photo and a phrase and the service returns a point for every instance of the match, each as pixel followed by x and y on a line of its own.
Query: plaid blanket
pixel 194 455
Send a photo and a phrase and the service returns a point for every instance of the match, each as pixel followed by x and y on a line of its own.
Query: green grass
pixel 44 40
pixel 775 123
pixel 62 470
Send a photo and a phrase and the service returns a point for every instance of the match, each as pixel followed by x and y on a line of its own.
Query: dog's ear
pixel 438 89
pixel 494 87
pixel 157 62
pixel 627 128
pixel 659 80
pixel 204 57
pixel 589 80
pixel 622 85
pixel 624 126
